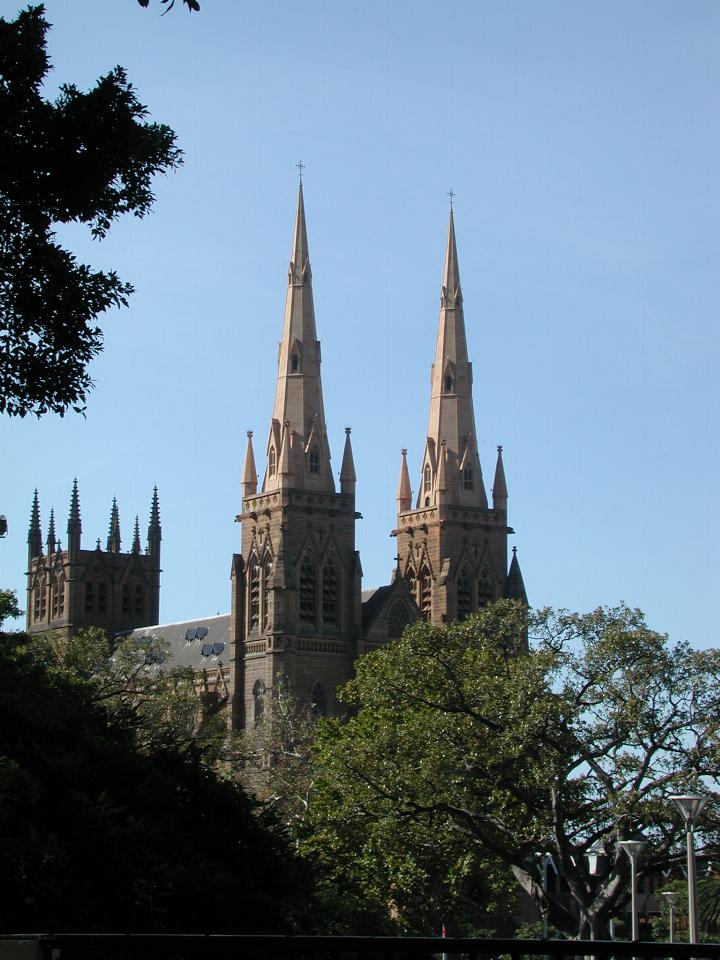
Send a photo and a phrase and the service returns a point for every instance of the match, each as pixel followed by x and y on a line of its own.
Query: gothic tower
pixel 296 615
pixel 452 545
pixel 74 588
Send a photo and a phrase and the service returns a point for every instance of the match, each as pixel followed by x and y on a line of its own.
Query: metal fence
pixel 236 947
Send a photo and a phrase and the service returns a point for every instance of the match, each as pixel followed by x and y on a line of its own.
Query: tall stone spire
pixel 113 540
pixel 452 418
pixel 515 586
pixel 51 538
pixel 404 493
pixel 347 470
pixel 74 527
pixel 249 474
pixel 34 532
pixel 298 393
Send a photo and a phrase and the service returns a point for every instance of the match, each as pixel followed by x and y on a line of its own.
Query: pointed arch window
pixel 464 596
pixel 102 597
pixel 253 593
pixel 266 578
pixel 486 588
pixel 468 478
pixel 330 607
pixel 89 596
pixel 307 591
pixel 319 701
pixel 57 597
pixel 294 363
pixel 258 701
pixel 314 461
pixel 139 599
pixel 449 384
pixel 425 592
pixel 37 599
pixel 427 483
pixel 272 462
pixel 125 598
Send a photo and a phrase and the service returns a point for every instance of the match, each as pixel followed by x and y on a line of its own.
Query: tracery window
pixel 254 593
pixel 464 596
pixel 319 701
pixel 37 599
pixel 267 574
pixel 307 591
pixel 330 592
pixel 486 588
pixel 57 598
pixel 139 599
pixel 398 619
pixel 259 701
pixel 425 593
pixel 468 478
pixel 271 462
pixel 314 460
pixel 411 581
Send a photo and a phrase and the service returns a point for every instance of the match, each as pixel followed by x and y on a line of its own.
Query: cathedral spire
pixel 347 470
pixel 154 529
pixel 249 474
pixel 404 493
pixel 113 540
pixel 298 392
pixel 51 538
pixel 452 417
pixel 515 585
pixel 499 490
pixel 74 527
pixel 34 532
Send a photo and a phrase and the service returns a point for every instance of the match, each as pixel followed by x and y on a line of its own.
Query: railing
pixel 91 946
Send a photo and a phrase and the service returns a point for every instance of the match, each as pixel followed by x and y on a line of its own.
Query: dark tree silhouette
pixel 84 158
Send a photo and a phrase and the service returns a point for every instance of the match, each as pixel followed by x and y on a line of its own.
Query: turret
pixel 136 536
pixel 113 540
pixel 404 493
pixel 347 470
pixel 154 529
pixel 34 532
pixel 51 538
pixel 249 474
pixel 74 527
pixel 515 586
pixel 499 490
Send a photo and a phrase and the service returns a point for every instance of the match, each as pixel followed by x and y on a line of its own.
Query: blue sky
pixel 583 143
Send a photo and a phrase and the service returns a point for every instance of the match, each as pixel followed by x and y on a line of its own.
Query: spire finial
pixel 452 195
pixel 348 431
pixel 301 166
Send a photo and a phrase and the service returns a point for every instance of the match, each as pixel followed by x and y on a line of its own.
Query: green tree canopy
pixel 575 742
pixel 84 158
pixel 101 832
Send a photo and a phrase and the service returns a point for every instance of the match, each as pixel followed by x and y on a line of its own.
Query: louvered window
pixel 307 591
pixel 267 574
pixel 486 588
pixel 254 577
pixel 330 592
pixel 425 597
pixel 464 596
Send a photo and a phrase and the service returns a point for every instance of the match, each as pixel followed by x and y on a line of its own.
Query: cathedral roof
pixel 193 643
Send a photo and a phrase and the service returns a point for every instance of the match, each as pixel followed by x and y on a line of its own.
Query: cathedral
pixel 299 616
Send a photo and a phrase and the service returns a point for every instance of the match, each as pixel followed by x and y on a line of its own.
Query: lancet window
pixel 468 477
pixel 37 604
pixel 58 595
pixel 411 580
pixel 330 592
pixel 486 588
pixel 102 597
pixel 427 483
pixel 425 592
pixel 139 599
pixel 266 577
pixel 314 461
pixel 448 383
pixel 307 591
pixel 272 462
pixel 464 595
pixel 125 598
pixel 89 596
pixel 254 593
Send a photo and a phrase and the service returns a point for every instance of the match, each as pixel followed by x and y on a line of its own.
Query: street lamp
pixel 691 806
pixel 634 850
pixel 671 896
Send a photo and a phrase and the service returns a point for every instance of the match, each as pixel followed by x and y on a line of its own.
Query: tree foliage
pixel 102 830
pixel 190 4
pixel 85 158
pixel 575 742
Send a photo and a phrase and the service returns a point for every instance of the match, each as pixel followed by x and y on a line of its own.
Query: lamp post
pixel 691 806
pixel 634 850
pixel 671 896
